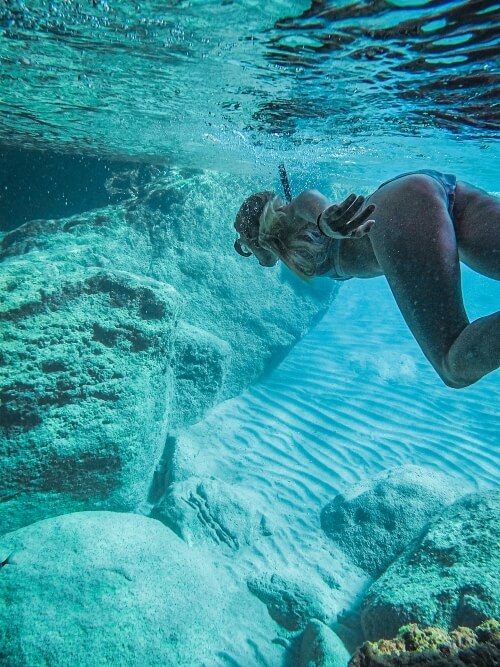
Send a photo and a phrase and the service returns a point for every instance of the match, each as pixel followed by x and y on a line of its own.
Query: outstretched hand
pixel 341 221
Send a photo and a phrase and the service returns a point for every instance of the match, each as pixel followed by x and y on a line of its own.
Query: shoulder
pixel 311 198
pixel 311 194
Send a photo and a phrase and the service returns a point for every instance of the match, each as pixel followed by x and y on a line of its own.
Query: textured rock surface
pixel 201 362
pixel 122 326
pixel 98 588
pixel 320 647
pixel 434 647
pixel 84 387
pixel 209 510
pixel 374 521
pixel 291 602
pixel 449 578
pixel 173 232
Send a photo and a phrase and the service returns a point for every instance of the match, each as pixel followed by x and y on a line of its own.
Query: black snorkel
pixel 285 183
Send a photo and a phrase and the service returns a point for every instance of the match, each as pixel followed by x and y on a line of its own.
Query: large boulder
pixel 449 578
pixel 100 588
pixel 119 328
pixel 84 385
pixel 178 230
pixel 375 520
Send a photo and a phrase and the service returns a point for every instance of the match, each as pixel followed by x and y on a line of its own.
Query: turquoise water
pixel 204 462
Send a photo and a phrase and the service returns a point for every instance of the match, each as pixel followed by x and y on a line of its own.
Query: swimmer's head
pixel 247 224
pixel 266 232
pixel 295 240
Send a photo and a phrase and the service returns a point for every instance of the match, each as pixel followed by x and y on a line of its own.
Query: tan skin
pixel 404 231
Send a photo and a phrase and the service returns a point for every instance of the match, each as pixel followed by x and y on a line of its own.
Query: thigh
pixel 477 222
pixel 415 244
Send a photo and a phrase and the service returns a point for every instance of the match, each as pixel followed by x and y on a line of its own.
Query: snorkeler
pixel 415 229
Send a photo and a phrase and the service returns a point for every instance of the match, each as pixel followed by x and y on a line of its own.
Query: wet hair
pixel 302 247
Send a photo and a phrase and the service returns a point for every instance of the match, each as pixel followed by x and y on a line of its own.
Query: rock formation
pixel 121 326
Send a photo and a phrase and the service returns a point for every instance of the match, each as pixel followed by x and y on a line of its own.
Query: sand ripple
pixel 355 397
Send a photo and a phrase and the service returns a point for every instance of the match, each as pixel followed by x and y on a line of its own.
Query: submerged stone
pixel 99 588
pixel 201 361
pixel 449 578
pixel 434 647
pixel 291 601
pixel 119 328
pixel 209 510
pixel 178 230
pixel 374 521
pixel 320 647
pixel 84 389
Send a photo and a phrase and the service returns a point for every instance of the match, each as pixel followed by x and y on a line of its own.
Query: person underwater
pixel 414 229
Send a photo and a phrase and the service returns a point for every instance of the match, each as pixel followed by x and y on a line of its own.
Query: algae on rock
pixel 434 647
pixel 449 578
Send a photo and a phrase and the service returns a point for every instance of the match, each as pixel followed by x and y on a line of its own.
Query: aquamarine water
pixel 157 386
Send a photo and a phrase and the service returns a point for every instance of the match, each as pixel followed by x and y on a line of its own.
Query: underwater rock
pixel 84 379
pixel 434 647
pixel 179 231
pixel 320 647
pixel 201 362
pixel 449 578
pixel 209 510
pixel 99 588
pixel 120 327
pixel 374 521
pixel 291 602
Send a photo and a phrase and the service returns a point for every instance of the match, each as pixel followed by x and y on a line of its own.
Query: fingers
pixel 349 207
pixel 360 218
pixel 341 214
pixel 343 221
pixel 347 203
pixel 354 232
pixel 362 229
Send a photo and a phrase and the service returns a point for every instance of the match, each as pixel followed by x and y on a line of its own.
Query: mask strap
pixel 239 249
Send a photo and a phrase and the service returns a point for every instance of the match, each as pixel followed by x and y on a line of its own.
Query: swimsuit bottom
pixel 447 181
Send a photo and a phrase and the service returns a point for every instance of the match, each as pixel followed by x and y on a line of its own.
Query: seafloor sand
pixel 355 397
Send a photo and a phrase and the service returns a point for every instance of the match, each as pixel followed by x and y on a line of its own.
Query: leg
pixel 415 243
pixel 477 223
